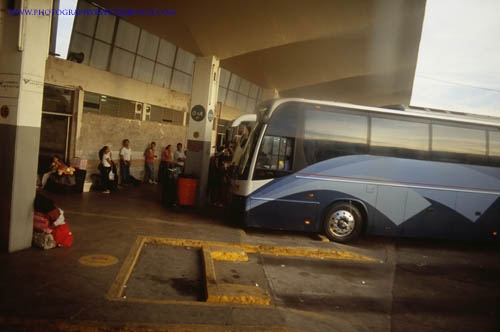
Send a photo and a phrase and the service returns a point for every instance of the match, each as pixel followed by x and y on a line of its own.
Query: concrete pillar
pixel 24 45
pixel 201 120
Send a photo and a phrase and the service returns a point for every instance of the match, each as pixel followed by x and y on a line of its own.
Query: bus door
pixel 281 203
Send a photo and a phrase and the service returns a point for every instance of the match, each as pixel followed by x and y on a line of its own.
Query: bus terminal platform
pixel 136 265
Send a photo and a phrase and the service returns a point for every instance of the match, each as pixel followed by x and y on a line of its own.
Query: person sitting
pixel 64 173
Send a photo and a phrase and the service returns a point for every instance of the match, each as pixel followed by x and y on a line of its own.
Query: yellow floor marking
pixel 228 254
pixel 268 249
pixel 219 292
pixel 116 289
pixel 323 238
pixel 98 260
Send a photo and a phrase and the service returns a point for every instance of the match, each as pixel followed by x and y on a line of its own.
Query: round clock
pixel 198 113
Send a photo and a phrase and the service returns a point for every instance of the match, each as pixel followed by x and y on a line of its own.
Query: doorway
pixel 57 115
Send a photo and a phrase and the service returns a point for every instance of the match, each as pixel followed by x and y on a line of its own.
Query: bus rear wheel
pixel 343 222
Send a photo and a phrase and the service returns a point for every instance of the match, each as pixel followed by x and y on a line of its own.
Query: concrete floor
pixel 162 287
pixel 137 266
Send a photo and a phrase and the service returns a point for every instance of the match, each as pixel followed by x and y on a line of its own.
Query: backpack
pixel 63 236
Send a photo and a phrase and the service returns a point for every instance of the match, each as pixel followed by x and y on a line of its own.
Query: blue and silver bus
pixel 343 170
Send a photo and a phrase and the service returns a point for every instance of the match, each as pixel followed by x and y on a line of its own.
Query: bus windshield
pixel 244 162
pixel 238 135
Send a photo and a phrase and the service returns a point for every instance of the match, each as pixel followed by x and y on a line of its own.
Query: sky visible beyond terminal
pixel 459 60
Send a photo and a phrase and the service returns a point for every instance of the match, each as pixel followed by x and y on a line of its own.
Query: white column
pixel 201 120
pixel 24 45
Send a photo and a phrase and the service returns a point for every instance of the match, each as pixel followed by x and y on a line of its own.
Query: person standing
pixel 179 157
pixel 125 158
pixel 167 160
pixel 105 168
pixel 149 168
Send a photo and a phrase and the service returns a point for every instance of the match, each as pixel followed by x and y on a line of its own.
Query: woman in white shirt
pixel 105 168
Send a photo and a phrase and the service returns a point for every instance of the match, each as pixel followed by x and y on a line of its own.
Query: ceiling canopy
pixel 359 51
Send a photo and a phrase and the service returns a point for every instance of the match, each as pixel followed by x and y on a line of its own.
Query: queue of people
pixel 171 166
pixel 108 172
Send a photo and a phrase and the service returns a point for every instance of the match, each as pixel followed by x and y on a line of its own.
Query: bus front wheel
pixel 343 222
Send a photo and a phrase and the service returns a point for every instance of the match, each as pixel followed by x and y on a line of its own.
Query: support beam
pixel 24 45
pixel 202 113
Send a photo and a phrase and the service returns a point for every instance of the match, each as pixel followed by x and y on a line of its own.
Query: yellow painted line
pixel 116 289
pixel 220 292
pixel 98 260
pixel 186 303
pixel 308 252
pixel 43 325
pixel 268 249
pixel 239 294
pixel 228 254
pixel 185 242
pixel 323 238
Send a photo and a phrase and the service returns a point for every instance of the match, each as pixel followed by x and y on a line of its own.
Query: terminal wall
pixel 74 75
pixel 92 131
pixel 71 74
pixel 89 132
pixel 99 130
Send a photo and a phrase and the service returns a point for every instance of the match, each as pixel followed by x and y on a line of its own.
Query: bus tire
pixel 343 222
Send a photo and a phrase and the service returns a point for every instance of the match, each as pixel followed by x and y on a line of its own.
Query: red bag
pixel 63 236
pixel 40 222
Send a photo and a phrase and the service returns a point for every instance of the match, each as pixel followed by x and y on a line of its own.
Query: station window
pixel 119 108
pixel 91 102
pixel 166 115
pixel 127 109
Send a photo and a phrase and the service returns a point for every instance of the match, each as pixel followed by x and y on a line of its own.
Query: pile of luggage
pixel 50 228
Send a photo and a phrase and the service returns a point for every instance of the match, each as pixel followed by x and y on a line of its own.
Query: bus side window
pixel 458 145
pixel 494 148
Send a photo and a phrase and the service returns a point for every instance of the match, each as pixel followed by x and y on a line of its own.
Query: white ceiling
pixel 360 51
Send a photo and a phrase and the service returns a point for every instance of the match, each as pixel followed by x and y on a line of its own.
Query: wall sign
pixel 4 111
pixel 198 113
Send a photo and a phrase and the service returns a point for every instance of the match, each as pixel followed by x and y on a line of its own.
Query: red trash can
pixel 186 190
